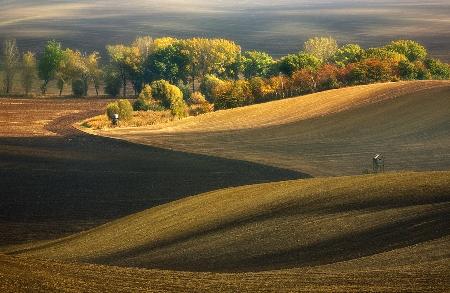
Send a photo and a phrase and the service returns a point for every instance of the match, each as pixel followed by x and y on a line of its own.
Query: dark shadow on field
pixel 54 186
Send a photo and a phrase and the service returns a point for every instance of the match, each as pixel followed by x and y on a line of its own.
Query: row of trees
pixel 218 68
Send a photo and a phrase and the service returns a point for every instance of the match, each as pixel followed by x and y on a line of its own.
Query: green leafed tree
pixel 256 63
pixel 347 54
pixel 49 63
pixel 113 81
pixel 169 63
pixel 411 49
pixel 128 61
pixel 293 62
pixel 321 47
pixel 10 59
pixel 29 71
pixel 438 69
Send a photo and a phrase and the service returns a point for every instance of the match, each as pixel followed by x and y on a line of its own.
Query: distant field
pixel 329 133
pixel 278 27
pixel 373 233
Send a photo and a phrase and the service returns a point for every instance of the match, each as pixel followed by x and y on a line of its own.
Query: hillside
pixel 284 225
pixel 329 133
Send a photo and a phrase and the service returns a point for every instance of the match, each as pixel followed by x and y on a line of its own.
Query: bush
pixel 78 88
pixel 146 102
pixel 112 109
pixel 125 110
pixel 121 107
pixel 199 105
pixel 197 98
pixel 208 85
pixel 170 97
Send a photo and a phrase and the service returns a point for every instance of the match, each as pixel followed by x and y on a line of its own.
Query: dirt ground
pixel 56 180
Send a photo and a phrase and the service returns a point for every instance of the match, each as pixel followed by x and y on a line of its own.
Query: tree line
pixel 218 69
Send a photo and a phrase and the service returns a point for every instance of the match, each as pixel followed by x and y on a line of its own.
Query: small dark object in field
pixel 378 163
pixel 115 119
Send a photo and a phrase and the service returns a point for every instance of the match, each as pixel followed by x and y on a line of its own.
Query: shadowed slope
pixel 56 180
pixel 272 226
pixel 329 133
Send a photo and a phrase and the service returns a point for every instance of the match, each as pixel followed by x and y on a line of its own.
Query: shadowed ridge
pixel 272 226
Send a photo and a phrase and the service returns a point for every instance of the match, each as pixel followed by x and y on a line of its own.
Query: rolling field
pixel 387 232
pixel 329 133
pixel 56 180
pixel 219 202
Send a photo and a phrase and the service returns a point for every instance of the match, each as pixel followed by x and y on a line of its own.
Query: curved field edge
pixel 324 134
pixel 289 110
pixel 281 225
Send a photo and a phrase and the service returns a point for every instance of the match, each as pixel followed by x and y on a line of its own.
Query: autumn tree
pixel 71 67
pixel 210 56
pixel 304 81
pixel 49 63
pixel 93 71
pixel 29 71
pixel 369 71
pixel 145 45
pixel 327 77
pixel 321 47
pixel 10 60
pixel 232 94
pixel 256 63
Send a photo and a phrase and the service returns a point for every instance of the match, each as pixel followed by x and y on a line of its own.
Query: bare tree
pixel 10 60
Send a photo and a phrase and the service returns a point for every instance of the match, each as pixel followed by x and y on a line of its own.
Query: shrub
pixel 125 110
pixel 208 85
pixel 78 88
pixel 170 97
pixel 199 105
pixel 146 102
pixel 197 98
pixel 111 109
pixel 121 107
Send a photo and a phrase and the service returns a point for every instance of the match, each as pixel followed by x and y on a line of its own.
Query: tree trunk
pixel 124 80
pixel 86 86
